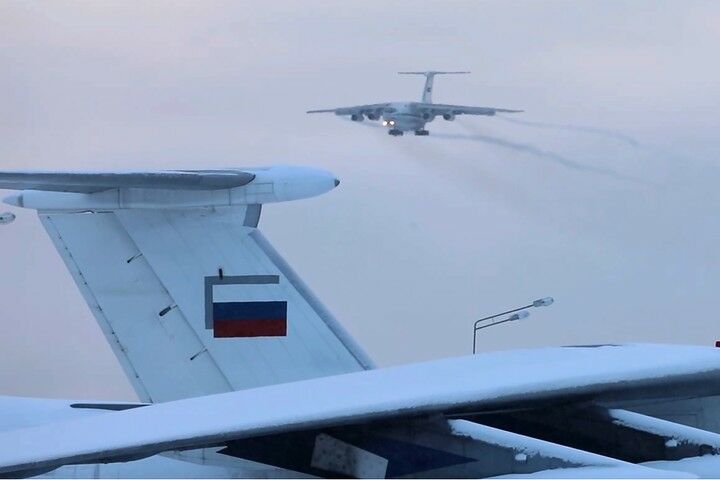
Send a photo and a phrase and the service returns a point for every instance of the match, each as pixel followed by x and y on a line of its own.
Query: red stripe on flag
pixel 250 328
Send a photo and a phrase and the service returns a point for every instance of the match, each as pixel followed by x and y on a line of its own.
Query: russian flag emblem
pixel 249 319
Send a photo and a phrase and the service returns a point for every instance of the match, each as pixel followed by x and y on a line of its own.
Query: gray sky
pixel 424 235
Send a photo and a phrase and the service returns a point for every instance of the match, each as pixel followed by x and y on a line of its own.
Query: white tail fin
pixel 429 80
pixel 195 300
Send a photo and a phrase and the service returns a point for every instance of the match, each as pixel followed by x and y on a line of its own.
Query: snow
pixel 22 412
pixel 499 378
pixel 678 433
pixel 630 471
pixel 528 446
pixel 707 466
pixel 589 465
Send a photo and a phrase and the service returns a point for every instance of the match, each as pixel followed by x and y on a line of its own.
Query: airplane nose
pixel 337 182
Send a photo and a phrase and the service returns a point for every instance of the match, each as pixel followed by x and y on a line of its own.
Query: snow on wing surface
pixel 495 380
pixel 90 182
pixel 706 466
pixel 630 471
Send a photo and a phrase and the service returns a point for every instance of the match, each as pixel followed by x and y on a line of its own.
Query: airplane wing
pixel 376 108
pixel 442 109
pixel 91 182
pixel 458 411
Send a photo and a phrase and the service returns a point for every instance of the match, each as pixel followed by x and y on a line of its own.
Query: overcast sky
pixel 609 203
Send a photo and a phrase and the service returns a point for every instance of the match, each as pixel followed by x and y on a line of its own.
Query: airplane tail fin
pixel 190 295
pixel 429 80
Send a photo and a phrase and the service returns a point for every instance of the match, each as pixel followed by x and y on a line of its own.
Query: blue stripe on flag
pixel 249 310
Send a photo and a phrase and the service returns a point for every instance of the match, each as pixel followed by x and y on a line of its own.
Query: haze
pixel 609 204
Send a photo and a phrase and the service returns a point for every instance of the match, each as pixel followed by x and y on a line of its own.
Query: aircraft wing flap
pixel 90 182
pixel 489 382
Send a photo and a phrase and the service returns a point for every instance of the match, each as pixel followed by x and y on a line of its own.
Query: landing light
pixel 385 123
pixel 392 122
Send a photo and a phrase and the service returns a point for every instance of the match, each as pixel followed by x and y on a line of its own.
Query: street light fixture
pixel 517 314
pixel 543 302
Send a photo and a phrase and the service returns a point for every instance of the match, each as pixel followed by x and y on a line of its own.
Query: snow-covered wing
pixel 90 182
pixel 377 109
pixel 442 109
pixel 489 382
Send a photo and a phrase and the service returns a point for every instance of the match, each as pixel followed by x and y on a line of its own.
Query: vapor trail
pixel 574 128
pixel 533 150
pixel 525 148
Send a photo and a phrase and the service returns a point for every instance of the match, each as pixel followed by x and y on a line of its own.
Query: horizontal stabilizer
pixel 172 189
pixel 90 182
pixel 431 72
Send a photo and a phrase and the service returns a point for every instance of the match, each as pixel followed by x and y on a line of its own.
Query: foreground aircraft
pixel 241 371
pixel 401 117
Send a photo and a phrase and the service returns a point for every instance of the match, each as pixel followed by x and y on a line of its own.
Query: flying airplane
pixel 400 117
pixel 241 371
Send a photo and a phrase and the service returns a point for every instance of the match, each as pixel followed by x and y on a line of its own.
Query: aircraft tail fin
pixel 193 299
pixel 429 80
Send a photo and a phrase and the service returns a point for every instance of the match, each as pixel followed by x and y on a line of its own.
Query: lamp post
pixel 515 314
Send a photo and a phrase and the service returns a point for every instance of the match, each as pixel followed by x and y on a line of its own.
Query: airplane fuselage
pixel 401 117
pixel 405 118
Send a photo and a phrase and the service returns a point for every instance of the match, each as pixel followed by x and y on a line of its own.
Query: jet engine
pixel 449 117
pixel 357 117
pixel 373 116
pixel 428 117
